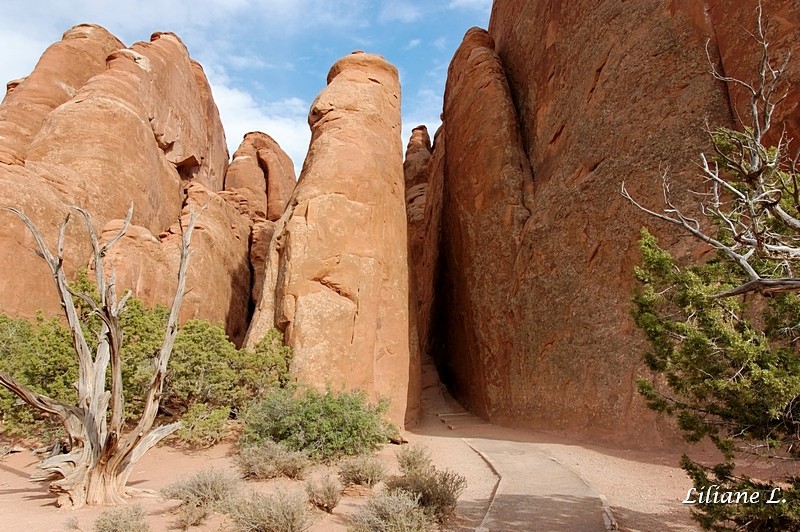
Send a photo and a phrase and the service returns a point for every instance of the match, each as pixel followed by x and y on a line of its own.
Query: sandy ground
pixel 642 489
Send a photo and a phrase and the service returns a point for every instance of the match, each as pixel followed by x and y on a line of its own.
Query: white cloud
pixel 26 52
pixel 413 43
pixel 479 5
pixel 286 120
pixel 399 11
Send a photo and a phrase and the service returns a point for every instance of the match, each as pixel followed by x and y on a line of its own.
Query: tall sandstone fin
pixel 337 274
pixel 531 326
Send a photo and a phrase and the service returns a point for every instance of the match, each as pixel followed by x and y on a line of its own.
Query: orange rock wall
pixel 544 118
pixel 337 273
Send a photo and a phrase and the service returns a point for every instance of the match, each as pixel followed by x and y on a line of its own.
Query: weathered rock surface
pixel 63 68
pixel 219 277
pixel 263 173
pixel 102 126
pixel 531 322
pixel 337 272
pixel 415 170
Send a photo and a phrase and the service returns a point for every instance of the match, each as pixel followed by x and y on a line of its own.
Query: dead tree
pixel 753 191
pixel 100 454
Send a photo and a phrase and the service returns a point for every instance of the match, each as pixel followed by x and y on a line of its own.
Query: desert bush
pixel 413 458
pixel 270 460
pixel 363 470
pixel 327 425
pixel 201 494
pixel 203 425
pixel 282 512
pixel 392 511
pixel 325 494
pixel 205 367
pixel 122 519
pixel 40 354
pixel 437 491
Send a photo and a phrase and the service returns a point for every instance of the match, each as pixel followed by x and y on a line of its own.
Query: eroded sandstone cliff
pixel 544 117
pixel 103 126
pixel 337 275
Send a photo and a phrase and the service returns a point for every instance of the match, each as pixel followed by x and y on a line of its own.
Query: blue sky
pixel 267 59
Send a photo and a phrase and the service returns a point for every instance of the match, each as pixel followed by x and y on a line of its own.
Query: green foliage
pixel 730 378
pixel 206 376
pixel 363 470
pixel 203 425
pixel 130 518
pixel 41 355
pixel 282 512
pixel 392 511
pixel 732 371
pixel 325 493
pixel 269 459
pixel 327 425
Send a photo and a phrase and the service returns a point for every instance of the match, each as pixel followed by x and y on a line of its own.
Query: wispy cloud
pixel 399 11
pixel 413 43
pixel 479 5
pixel 285 120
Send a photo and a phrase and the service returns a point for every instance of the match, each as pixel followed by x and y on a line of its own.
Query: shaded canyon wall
pixel 524 241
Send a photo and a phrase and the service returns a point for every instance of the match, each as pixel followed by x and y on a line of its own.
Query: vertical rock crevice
pixel 337 275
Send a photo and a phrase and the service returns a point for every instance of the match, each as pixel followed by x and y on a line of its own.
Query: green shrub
pixel 269 460
pixel 122 519
pixel 327 425
pixel 363 470
pixel 283 512
pixel 205 367
pixel 392 511
pixel 39 354
pixel 324 494
pixel 202 425
pixel 266 366
pixel 437 491
pixel 201 494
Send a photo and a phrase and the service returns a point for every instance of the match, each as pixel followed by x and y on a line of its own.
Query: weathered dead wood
pixel 101 456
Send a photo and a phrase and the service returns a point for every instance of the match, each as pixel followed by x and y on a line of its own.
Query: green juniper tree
pixel 725 334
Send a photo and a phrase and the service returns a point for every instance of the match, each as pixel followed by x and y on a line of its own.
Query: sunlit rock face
pixel 337 273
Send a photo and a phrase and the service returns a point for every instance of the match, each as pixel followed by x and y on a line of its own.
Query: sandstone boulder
pixel 337 272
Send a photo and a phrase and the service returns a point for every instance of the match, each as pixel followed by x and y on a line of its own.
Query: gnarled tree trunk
pixel 100 457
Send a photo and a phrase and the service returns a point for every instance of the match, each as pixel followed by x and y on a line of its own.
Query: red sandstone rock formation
pixel 101 126
pixel 537 246
pixel 263 173
pixel 219 276
pixel 337 278
pixel 63 69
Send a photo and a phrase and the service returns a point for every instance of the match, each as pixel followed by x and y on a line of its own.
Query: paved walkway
pixel 512 486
